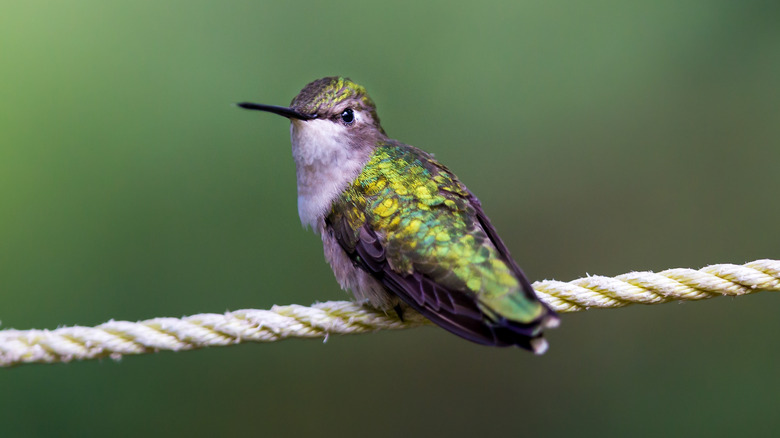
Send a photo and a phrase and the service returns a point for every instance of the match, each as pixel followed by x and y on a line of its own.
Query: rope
pixel 679 284
pixel 117 338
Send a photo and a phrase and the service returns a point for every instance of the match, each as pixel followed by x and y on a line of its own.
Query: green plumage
pixel 427 224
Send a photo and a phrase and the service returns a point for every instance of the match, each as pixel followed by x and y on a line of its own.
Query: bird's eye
pixel 347 116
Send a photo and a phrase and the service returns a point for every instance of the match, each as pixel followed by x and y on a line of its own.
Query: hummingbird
pixel 398 228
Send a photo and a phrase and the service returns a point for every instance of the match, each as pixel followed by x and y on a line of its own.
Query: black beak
pixel 280 110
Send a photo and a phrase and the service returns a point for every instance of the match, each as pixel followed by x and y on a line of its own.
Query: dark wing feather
pixel 452 310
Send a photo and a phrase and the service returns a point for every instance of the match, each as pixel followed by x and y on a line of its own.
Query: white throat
pixel 325 164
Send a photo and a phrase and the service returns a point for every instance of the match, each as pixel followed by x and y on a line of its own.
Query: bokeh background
pixel 601 136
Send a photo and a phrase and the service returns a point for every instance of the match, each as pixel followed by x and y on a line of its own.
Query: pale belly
pixel 364 287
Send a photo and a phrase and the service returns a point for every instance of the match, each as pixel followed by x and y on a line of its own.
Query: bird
pixel 398 228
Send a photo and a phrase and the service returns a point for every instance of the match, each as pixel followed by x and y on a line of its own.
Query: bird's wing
pixel 452 310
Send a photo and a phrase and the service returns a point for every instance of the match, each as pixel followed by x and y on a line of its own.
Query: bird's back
pixel 407 220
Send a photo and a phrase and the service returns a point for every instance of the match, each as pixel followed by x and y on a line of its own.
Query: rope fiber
pixel 117 338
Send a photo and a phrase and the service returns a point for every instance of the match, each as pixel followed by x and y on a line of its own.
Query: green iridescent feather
pixel 427 223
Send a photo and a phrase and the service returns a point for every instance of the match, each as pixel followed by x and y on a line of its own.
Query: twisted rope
pixel 116 338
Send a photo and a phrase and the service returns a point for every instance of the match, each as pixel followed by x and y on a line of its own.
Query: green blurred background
pixel 601 136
